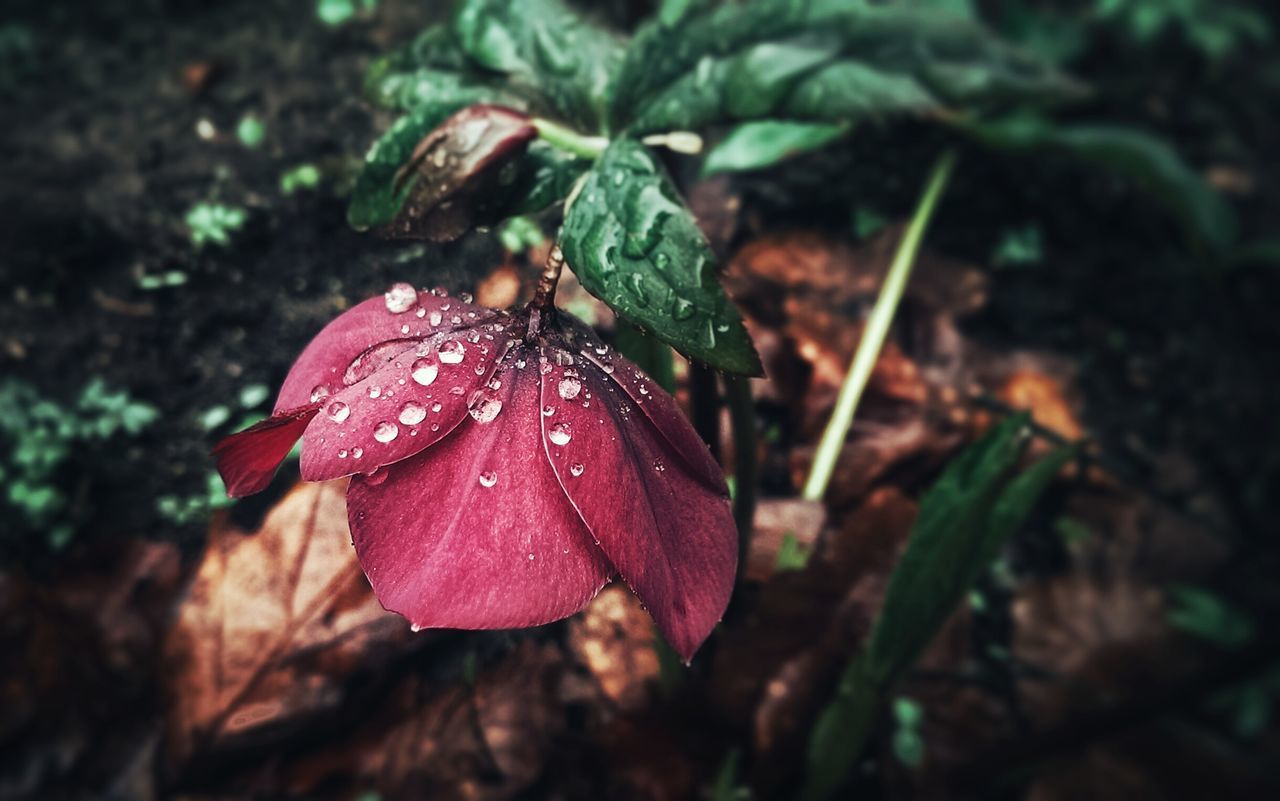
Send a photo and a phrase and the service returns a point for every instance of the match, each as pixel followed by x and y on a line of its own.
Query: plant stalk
pixel 569 140
pixel 746 470
pixel 877 329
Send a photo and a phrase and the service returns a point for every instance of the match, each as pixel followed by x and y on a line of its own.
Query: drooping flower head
pixel 505 465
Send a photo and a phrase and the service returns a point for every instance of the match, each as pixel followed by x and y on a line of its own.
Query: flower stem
pixel 569 140
pixel 745 469
pixel 873 336
pixel 544 297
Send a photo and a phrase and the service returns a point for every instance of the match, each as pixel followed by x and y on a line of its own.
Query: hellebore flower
pixel 505 465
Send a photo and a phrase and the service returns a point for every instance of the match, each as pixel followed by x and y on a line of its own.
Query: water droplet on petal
pixel 560 434
pixel 547 411
pixel 659 466
pixel 400 298
pixel 576 469
pixel 485 409
pixel 385 431
pixel 338 411
pixel 342 453
pixel 424 371
pixel 420 313
pixel 436 318
pixel 452 352
pixel 319 393
pixel 569 387
pixel 357 452
pixel 375 392
pixel 411 414
pixel 435 407
pixel 488 478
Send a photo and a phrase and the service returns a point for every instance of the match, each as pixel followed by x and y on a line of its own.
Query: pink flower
pixel 506 466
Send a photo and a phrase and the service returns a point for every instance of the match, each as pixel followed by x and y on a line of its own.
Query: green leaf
pixel 542 46
pixel 376 199
pixel 1149 162
pixel 964 519
pixel 636 246
pixel 819 60
pixel 1210 617
pixel 950 543
pixel 753 145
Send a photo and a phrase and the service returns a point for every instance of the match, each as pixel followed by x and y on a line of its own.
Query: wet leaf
pixel 272 625
pixel 1152 165
pixel 436 178
pixel 543 48
pixel 753 145
pixel 637 247
pixel 819 60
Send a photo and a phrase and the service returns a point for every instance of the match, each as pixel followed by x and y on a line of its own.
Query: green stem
pixel 745 469
pixel 569 140
pixel 873 337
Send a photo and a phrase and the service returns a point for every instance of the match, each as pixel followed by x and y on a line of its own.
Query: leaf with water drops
pixel 543 48
pixel 819 60
pixel 434 190
pixel 636 246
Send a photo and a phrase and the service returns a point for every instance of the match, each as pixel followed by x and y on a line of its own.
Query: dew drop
pixel 484 410
pixel 488 478
pixel 560 434
pixel 436 318
pixel 342 453
pixel 319 393
pixel 420 313
pixel 411 414
pixel 400 298
pixel 547 411
pixel 682 309
pixel 385 431
pixel 465 297
pixel 375 392
pixel 424 371
pixel 659 466
pixel 435 407
pixel 576 469
pixel 357 452
pixel 569 387
pixel 452 352
pixel 338 411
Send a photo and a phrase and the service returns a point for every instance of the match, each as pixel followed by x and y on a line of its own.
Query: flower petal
pixel 397 316
pixel 653 401
pixel 475 533
pixel 248 459
pixel 670 536
pixel 403 406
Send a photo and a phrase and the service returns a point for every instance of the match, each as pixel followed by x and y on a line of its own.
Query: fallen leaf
pixel 614 638
pixel 271 626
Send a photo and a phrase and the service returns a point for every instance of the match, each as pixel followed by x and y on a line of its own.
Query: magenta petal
pixel 320 369
pixel 249 459
pixel 670 536
pixel 403 406
pixel 475 533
